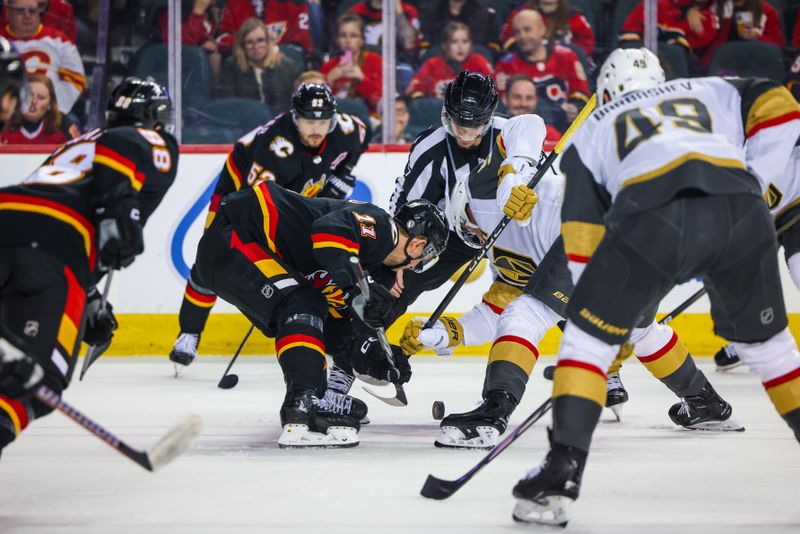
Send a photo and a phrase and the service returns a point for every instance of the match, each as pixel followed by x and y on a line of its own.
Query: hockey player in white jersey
pixel 783 200
pixel 529 295
pixel 663 184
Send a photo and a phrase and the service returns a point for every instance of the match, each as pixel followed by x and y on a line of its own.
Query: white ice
pixel 644 474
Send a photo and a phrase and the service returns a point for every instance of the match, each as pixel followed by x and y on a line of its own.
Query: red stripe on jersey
pixel 662 351
pixel 519 341
pixel 252 251
pixel 782 379
pixel 121 160
pixel 773 122
pixel 76 298
pixel 582 365
pixel 19 411
pixel 323 237
pixel 272 211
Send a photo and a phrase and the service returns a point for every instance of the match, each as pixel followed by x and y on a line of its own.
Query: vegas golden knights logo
pixel 773 196
pixel 513 268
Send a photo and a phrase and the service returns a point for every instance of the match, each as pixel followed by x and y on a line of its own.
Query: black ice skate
pixel 546 493
pixel 184 351
pixel 705 411
pixel 340 381
pixel 329 422
pixel 480 428
pixel 727 359
pixel 616 395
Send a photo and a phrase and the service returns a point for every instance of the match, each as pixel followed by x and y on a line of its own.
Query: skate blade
pixel 451 437
pixel 299 436
pixel 177 368
pixel 548 510
pixel 729 425
pixel 617 411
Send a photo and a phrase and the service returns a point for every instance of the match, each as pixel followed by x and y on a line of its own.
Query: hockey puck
pixel 437 410
pixel 549 371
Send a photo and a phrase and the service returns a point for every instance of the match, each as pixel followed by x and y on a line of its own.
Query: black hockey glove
pixel 370 359
pixel 377 311
pixel 338 187
pixel 100 322
pixel 120 237
pixel 20 375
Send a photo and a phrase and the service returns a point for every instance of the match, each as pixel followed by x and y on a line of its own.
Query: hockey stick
pixel 400 398
pixel 436 488
pixel 171 445
pixel 93 352
pixel 229 381
pixel 540 172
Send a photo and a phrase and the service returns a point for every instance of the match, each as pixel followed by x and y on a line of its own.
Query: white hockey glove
pixel 446 333
pixel 338 187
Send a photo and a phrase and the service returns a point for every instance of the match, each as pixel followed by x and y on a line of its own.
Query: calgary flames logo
pixel 333 294
pixel 312 188
pixel 281 147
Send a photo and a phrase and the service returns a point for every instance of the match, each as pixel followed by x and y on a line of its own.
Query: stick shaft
pixel 239 350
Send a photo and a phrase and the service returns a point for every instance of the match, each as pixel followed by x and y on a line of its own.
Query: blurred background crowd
pixel 242 59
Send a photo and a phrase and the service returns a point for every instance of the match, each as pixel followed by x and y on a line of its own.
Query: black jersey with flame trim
pixel 57 207
pixel 317 236
pixel 273 152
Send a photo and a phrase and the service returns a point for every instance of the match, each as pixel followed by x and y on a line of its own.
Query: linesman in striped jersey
pixel 75 217
pixel 663 185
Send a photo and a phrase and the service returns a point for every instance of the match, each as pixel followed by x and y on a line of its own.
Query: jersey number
pixel 633 126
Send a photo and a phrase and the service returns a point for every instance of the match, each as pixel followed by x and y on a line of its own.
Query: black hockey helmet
pixel 12 68
pixel 421 218
pixel 137 102
pixel 314 101
pixel 469 101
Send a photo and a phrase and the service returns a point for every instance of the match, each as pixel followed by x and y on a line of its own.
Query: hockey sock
pixel 13 419
pixel 668 359
pixel 301 352
pixel 196 307
pixel 579 394
pixel 784 392
pixel 511 361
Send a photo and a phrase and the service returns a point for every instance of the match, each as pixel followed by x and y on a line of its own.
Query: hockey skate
pixel 329 422
pixel 184 351
pixel 340 381
pixel 546 493
pixel 479 428
pixel 705 411
pixel 616 395
pixel 727 359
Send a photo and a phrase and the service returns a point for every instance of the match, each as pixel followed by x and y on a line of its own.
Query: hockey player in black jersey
pixel 79 214
pixel 311 150
pixel 284 260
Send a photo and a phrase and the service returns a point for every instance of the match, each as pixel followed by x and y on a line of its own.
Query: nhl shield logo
pixel 767 316
pixel 267 291
pixel 31 328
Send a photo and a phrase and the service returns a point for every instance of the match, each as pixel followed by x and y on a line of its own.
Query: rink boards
pixel 147 296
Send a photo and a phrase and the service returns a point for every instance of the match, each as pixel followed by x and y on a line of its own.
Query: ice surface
pixel 643 474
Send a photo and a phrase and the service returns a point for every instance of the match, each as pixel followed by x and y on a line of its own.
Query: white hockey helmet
pixel 628 69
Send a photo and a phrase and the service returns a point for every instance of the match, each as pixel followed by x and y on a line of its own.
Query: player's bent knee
pixel 772 357
pixel 581 346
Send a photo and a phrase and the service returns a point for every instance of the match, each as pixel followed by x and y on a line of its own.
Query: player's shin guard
pixel 579 387
pixel 196 306
pixel 777 362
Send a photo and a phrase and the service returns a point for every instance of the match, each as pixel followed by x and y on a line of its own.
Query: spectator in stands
pixel 673 25
pixel 401 118
pixel 309 76
pixel 38 120
pixel 720 21
pixel 200 27
pixel 354 72
pixel 565 25
pixel 433 76
pixel 286 20
pixel 478 15
pixel 556 70
pixel 407 24
pixel 56 14
pixel 9 102
pixel 257 69
pixel 45 50
pixel 520 98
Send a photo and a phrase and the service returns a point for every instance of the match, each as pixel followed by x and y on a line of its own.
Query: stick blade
pixel 438 489
pixel 175 442
pixel 228 381
pixel 399 400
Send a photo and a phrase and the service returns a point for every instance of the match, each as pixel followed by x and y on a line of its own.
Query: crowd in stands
pixel 238 54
